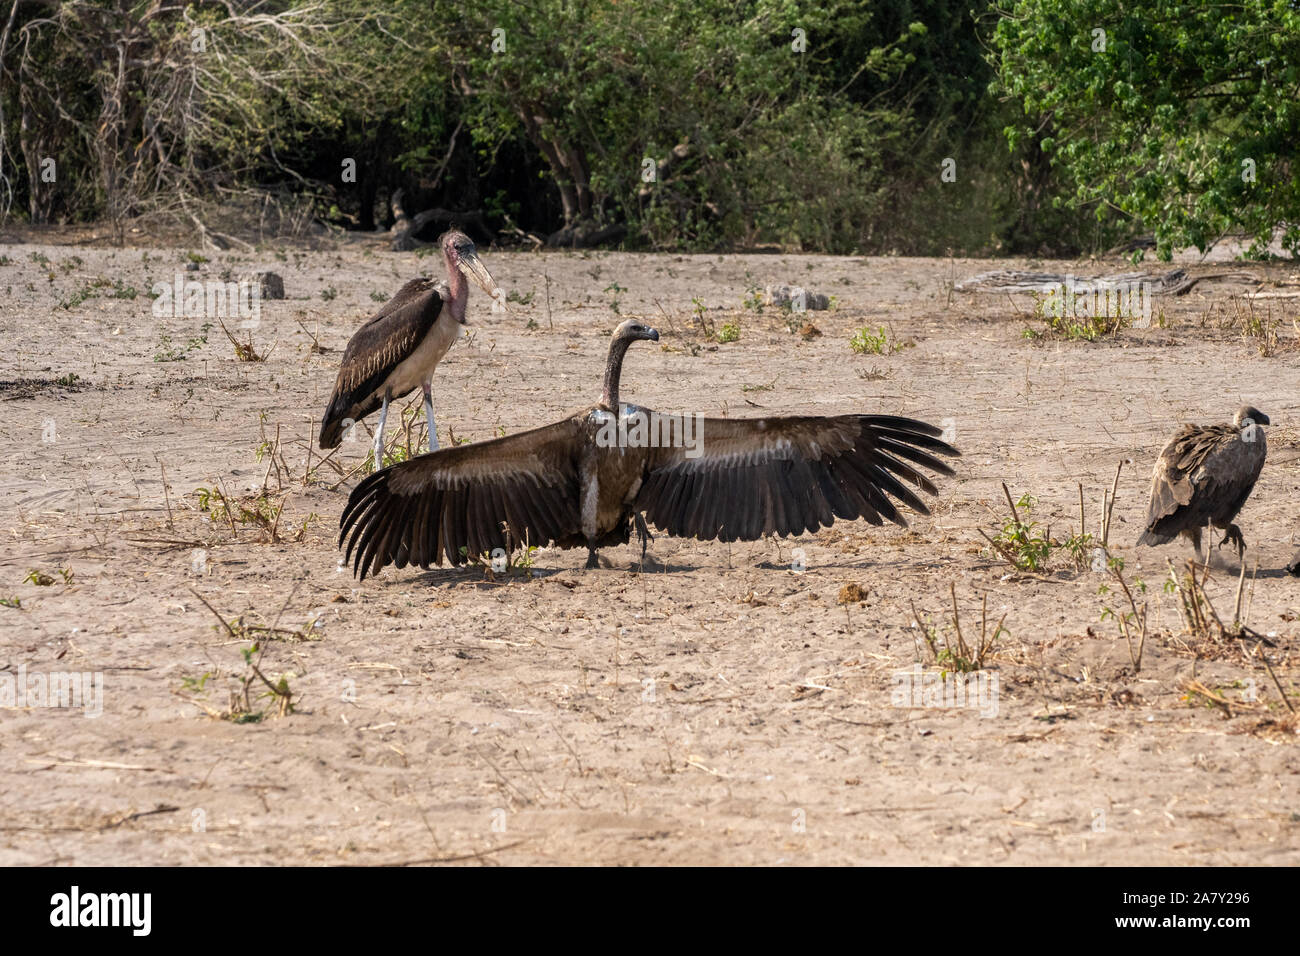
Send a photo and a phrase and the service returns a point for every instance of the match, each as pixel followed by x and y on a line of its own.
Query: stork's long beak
pixel 472 266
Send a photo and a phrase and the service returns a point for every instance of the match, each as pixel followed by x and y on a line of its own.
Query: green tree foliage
pixel 1181 117
pixel 728 105
pixel 697 124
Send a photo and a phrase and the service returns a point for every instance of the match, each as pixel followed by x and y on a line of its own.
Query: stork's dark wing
pixel 789 475
pixel 424 511
pixel 379 346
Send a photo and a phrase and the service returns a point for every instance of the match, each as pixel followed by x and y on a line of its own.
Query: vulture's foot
pixel 1233 536
pixel 1294 567
pixel 643 533
pixel 592 560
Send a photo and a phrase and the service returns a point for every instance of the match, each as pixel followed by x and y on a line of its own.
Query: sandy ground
pixel 723 707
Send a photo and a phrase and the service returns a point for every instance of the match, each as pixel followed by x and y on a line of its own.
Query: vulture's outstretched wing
pixel 1204 473
pixel 380 345
pixel 789 475
pixel 425 510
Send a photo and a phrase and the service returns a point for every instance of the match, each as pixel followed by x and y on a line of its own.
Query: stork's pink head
pixel 458 249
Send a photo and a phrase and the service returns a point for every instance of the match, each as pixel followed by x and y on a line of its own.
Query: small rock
pixel 796 298
pixel 270 284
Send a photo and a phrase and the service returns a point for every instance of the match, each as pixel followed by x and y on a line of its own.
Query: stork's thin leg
pixel 379 435
pixel 428 416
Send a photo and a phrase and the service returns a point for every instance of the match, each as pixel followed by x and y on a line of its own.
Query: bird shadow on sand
pixel 471 574
pixel 1233 568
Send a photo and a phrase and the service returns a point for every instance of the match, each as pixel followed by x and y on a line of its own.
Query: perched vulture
pixel 397 350
pixel 1203 477
pixel 590 478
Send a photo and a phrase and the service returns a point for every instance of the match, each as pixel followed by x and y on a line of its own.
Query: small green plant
pixel 706 327
pixel 1019 541
pixel 195 685
pixel 329 293
pixel 1263 332
pixel 11 602
pixel 1061 320
pixel 41 259
pixel 76 298
pixel 511 562
pixel 879 342
pixel 753 299
pixel 616 291
pixel 165 352
pixel 956 654
pixel 514 296
pixel 44 580
pixel 1079 547
pixel 240 709
pixel 730 332
pixel 378 296
pixel 68 381
pixel 1133 622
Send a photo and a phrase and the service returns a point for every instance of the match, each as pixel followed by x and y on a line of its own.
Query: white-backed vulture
pixel 587 480
pixel 1203 477
pixel 397 349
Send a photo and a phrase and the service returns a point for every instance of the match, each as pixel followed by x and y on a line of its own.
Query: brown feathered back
pixel 1203 476
pixel 382 343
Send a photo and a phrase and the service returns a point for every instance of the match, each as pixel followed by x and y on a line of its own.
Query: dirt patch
pixel 777 701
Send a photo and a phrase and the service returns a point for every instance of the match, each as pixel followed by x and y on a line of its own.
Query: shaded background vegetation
pixel 821 126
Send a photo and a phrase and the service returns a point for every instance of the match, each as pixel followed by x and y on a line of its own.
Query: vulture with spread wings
pixel 589 479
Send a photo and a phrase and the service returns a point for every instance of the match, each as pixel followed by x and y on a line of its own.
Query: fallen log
pixel 1174 282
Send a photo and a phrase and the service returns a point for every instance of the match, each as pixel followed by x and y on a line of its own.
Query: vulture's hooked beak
pixel 472 266
pixel 652 335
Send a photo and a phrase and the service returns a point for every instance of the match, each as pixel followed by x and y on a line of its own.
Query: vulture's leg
pixel 428 416
pixel 379 435
pixel 592 562
pixel 1233 536
pixel 643 533
pixel 1195 536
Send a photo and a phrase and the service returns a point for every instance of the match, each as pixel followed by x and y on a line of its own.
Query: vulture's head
pixel 634 331
pixel 1249 415
pixel 458 249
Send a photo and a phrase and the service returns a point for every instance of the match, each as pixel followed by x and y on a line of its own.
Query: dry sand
pixel 721 707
